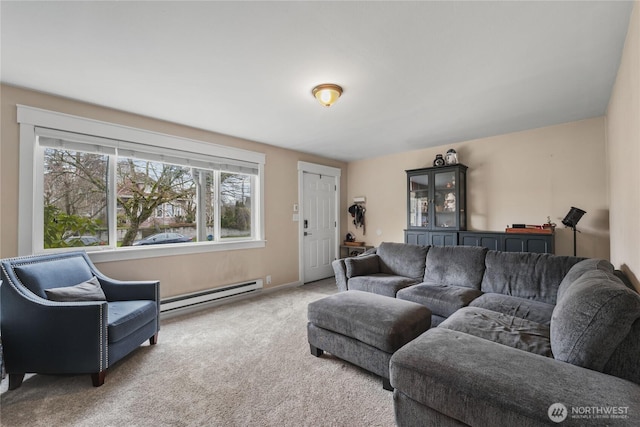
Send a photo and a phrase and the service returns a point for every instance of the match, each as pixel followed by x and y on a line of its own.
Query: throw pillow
pixel 400 259
pixel 362 265
pixel 85 291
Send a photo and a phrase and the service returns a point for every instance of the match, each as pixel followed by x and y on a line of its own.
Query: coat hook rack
pixel 357 212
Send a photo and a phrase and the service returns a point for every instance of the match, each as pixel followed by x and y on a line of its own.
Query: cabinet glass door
pixel 419 201
pixel 445 199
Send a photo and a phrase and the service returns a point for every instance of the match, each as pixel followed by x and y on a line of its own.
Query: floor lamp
pixel 571 220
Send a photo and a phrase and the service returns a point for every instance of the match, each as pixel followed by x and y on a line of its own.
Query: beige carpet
pixel 245 363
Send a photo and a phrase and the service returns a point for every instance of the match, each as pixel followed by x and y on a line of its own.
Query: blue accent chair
pixel 40 335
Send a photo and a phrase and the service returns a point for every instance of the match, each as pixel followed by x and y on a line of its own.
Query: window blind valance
pixel 92 144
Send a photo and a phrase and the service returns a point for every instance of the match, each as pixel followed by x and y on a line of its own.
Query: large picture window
pixel 104 194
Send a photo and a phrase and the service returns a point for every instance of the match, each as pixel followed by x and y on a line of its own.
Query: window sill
pixel 122 254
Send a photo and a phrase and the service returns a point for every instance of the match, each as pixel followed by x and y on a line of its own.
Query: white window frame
pixel 31 191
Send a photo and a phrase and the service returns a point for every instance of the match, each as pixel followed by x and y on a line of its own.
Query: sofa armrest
pixel 38 333
pixel 119 290
pixel 363 265
pixel 477 381
pixel 340 272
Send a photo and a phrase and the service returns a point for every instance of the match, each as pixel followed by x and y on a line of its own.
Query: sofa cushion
pixel 362 265
pixel 85 291
pixel 53 273
pixel 442 300
pixel 455 266
pixel 382 322
pixel 526 275
pixel 380 283
pixel 528 309
pixel 502 329
pixel 126 317
pixel 595 315
pixel 579 269
pixel 401 259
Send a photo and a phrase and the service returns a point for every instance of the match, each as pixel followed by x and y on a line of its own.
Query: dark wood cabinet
pixel 491 241
pixel 436 205
pixel 443 239
pixel 437 199
pixel 437 215
pixel 420 238
pixel 508 242
pixel 430 238
pixel 539 243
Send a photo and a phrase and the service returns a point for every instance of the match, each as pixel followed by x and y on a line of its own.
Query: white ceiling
pixel 415 74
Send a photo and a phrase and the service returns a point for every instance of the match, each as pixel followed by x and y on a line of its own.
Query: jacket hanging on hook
pixel 357 212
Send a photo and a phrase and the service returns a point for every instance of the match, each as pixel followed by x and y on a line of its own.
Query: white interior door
pixel 318 225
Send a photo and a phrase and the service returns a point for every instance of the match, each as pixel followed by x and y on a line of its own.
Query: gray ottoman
pixel 365 328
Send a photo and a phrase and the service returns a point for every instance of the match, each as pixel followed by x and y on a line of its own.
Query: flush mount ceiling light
pixel 327 94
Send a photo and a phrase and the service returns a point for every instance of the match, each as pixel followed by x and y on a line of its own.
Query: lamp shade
pixel 327 94
pixel 572 218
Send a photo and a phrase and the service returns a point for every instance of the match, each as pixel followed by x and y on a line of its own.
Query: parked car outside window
pixel 161 238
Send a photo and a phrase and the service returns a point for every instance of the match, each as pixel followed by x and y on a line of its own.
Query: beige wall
pixel 515 178
pixel 623 144
pixel 185 273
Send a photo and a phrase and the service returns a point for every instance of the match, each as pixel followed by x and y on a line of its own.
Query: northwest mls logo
pixel 557 412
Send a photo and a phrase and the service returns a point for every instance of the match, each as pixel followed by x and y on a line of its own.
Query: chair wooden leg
pixel 154 339
pixel 98 378
pixel 15 381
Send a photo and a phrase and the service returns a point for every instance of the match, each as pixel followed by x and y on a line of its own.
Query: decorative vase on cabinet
pixel 436 205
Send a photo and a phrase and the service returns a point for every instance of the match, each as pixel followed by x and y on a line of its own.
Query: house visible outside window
pixel 100 193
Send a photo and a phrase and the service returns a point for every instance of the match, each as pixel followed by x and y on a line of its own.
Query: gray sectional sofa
pixel 521 338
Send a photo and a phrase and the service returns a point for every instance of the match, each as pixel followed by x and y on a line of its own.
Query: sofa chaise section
pixel 450 378
pixel 482 367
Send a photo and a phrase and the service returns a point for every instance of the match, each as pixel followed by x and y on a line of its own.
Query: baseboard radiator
pixel 203 297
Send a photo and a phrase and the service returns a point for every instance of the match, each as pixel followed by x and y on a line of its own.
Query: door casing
pixel 325 171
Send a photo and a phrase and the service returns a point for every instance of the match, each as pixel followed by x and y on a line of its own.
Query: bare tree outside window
pixel 144 187
pixel 151 197
pixel 235 195
pixel 75 198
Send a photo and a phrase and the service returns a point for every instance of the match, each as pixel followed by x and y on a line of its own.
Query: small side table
pixel 350 251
